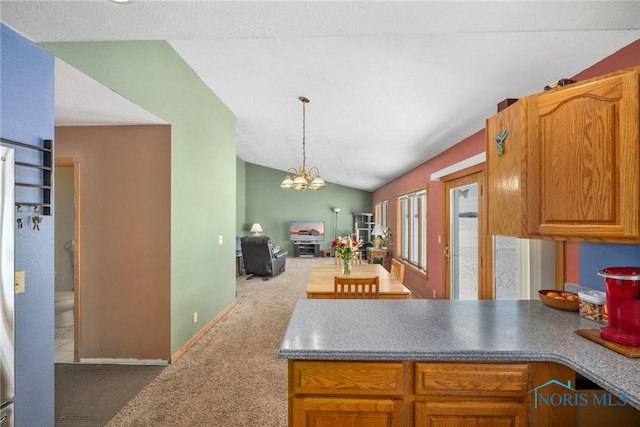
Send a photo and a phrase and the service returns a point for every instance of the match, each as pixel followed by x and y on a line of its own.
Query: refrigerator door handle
pixel 7 280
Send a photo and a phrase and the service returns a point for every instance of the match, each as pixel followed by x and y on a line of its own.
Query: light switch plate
pixel 220 239
pixel 19 282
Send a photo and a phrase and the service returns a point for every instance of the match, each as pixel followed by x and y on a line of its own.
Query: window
pixel 412 212
pixel 521 267
pixel 380 215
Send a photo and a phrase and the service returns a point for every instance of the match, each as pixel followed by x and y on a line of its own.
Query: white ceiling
pixel 391 84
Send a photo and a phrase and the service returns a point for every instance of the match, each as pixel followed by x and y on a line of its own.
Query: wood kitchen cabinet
pixel 570 168
pixel 585 158
pixel 506 171
pixel 420 394
pixel 348 394
pixel 471 394
pixel 370 394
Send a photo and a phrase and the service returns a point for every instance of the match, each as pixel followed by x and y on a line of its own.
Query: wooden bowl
pixel 561 304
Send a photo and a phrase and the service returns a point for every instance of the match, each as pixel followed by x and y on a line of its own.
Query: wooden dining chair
pixel 397 270
pixel 356 287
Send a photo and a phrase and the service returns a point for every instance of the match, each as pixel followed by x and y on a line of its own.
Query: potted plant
pixel 386 237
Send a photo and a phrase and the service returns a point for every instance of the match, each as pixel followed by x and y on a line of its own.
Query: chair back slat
pixel 397 270
pixel 356 287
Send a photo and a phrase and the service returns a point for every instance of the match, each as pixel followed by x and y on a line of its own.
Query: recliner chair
pixel 259 256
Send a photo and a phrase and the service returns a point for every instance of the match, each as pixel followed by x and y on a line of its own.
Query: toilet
pixel 63 301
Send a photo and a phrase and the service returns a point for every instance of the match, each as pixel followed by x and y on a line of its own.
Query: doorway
pixel 465 236
pixel 67 255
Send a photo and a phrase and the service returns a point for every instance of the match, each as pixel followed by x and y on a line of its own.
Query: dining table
pixel 321 281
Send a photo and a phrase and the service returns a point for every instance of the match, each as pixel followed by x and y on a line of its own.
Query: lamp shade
pixel 256 229
pixel 317 183
pixel 377 230
pixel 287 182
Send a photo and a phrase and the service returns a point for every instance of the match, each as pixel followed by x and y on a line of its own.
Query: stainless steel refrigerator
pixel 7 287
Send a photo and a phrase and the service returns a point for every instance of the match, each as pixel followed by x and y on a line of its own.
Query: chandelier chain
pixel 304 132
pixel 303 179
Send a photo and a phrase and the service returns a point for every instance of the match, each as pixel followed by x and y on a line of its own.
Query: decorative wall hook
pixel 19 220
pixel 500 138
pixel 37 219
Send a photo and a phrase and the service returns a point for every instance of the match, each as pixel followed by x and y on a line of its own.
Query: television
pixel 306 231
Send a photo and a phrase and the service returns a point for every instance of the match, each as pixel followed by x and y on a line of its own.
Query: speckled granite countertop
pixel 443 330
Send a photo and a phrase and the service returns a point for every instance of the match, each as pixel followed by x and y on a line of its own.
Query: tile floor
pixel 64 345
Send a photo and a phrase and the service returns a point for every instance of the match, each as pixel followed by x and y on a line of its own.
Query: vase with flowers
pixel 346 247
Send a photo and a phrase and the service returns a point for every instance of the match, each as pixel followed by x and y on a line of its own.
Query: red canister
pixel 622 286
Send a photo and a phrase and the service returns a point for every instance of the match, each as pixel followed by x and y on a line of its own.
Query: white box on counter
pixel 591 304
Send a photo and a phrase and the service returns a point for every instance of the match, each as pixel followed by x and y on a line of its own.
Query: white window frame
pixel 412 214
pixel 381 215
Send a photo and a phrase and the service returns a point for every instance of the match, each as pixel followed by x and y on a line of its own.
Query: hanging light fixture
pixel 303 179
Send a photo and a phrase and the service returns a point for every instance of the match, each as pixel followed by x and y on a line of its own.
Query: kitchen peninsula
pixel 418 361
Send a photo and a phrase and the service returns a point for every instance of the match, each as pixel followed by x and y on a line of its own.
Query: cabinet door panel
pixel 506 171
pixel 582 189
pixel 586 160
pixel 470 414
pixel 347 412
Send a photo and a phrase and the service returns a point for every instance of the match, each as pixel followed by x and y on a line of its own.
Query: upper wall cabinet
pixel 506 171
pixel 579 162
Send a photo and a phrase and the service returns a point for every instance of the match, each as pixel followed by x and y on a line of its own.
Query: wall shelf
pixel 42 182
pixel 363 226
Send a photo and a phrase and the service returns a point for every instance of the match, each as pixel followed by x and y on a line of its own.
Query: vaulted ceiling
pixel 391 84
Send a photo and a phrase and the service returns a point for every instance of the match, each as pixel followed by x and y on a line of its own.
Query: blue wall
pixel 27 115
pixel 596 256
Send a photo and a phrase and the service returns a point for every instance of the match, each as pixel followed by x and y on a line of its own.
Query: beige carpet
pixel 232 377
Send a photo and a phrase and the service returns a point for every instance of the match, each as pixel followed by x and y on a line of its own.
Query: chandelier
pixel 303 179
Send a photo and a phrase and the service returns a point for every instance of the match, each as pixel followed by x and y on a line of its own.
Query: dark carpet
pixel 89 395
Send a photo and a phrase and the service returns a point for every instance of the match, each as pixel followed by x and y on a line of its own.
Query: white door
pixel 465 237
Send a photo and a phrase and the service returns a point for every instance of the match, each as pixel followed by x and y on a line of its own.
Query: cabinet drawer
pixel 464 379
pixel 494 413
pixel 349 378
pixel 348 412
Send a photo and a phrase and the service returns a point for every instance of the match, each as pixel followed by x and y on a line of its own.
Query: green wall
pixel 273 207
pixel 241 196
pixel 203 155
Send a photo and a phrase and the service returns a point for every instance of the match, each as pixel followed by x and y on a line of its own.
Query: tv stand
pixel 306 249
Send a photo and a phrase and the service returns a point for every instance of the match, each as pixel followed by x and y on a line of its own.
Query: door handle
pixel 446 250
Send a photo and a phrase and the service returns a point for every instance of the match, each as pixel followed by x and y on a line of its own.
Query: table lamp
pixel 256 229
pixel 377 232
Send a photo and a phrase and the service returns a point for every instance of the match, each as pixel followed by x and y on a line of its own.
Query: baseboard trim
pixel 108 361
pixel 187 345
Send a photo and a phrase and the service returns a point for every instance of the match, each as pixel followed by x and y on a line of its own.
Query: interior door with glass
pixel 464 245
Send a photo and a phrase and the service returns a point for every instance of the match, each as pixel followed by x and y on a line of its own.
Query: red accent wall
pixel 413 180
pixel 628 56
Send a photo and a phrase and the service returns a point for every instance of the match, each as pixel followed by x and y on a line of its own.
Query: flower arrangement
pixel 346 247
